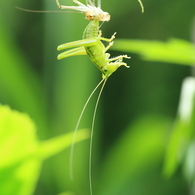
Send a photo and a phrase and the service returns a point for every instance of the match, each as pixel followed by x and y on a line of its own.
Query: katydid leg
pixel 72 52
pixel 80 43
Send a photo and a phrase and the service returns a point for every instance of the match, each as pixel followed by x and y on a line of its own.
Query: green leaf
pixel 174 51
pixel 53 146
pixel 176 147
pixel 179 147
pixel 19 171
pixel 21 152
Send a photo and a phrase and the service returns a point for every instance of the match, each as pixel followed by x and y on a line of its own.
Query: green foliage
pixel 19 168
pixel 136 132
pixel 182 138
pixel 22 154
pixel 176 51
pixel 181 143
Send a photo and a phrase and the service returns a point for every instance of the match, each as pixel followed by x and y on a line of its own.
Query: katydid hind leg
pixel 80 43
pixel 72 52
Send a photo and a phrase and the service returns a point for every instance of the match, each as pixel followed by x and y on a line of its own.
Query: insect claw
pixel 124 64
pixel 125 56
pixel 113 36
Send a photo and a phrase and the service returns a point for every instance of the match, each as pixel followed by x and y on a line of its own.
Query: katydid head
pixel 112 67
pixel 108 70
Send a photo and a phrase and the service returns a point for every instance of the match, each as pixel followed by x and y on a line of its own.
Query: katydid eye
pixel 105 70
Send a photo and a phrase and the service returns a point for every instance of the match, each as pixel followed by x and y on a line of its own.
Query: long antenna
pixel 40 11
pixel 91 138
pixel 76 128
pixel 141 4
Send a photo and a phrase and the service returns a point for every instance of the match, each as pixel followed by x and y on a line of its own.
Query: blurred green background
pixel 138 107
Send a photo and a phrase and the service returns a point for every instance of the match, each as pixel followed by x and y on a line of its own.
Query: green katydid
pixel 92 46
